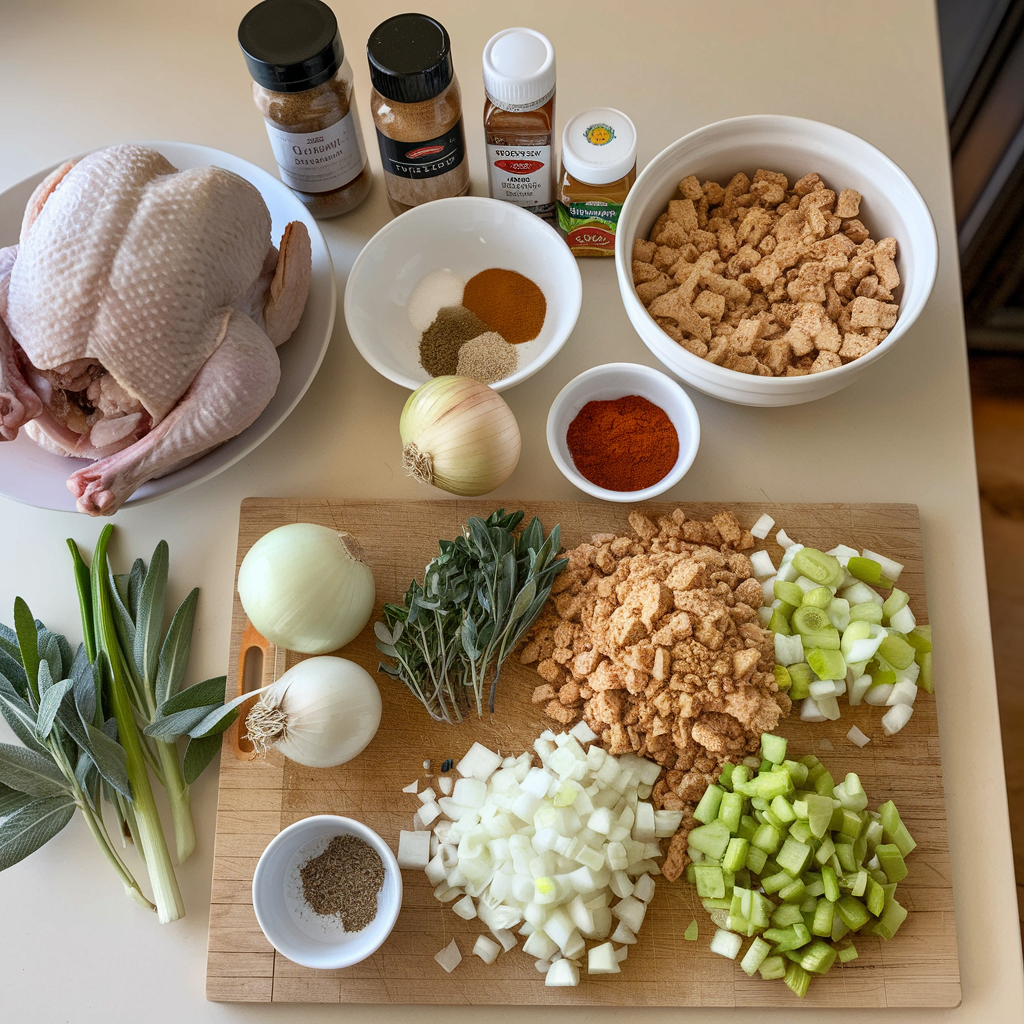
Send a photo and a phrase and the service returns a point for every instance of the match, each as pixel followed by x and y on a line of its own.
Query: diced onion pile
pixel 796 862
pixel 835 635
pixel 562 853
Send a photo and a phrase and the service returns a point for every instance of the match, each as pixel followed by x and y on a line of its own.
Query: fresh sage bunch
pixel 451 635
pixel 91 723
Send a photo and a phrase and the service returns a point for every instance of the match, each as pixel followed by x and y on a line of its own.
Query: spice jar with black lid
pixel 417 110
pixel 302 85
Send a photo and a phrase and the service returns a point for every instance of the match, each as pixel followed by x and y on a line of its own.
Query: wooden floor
pixel 997 386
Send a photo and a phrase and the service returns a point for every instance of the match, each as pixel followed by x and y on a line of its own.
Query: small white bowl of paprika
pixel 623 432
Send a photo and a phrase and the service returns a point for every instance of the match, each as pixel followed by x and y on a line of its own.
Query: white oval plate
pixel 35 477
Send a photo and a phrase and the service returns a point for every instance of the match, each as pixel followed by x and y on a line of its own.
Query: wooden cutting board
pixel 919 967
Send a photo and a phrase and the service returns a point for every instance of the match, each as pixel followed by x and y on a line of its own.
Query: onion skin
pixel 459 435
pixel 306 588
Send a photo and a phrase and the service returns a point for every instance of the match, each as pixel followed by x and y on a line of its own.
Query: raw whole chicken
pixel 139 315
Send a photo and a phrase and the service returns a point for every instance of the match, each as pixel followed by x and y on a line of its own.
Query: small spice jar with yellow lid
pixel 598 170
pixel 302 85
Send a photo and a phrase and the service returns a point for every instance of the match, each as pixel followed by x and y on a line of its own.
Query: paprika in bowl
pixel 623 432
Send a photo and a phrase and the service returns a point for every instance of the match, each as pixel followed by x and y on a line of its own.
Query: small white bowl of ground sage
pixel 467 286
pixel 327 892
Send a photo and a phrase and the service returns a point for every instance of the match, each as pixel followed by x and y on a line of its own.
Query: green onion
pixel 868 571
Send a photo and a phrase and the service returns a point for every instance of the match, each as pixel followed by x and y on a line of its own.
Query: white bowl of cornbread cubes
pixel 770 260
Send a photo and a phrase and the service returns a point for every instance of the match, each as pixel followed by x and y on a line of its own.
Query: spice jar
pixel 519 114
pixel 417 110
pixel 302 85
pixel 598 170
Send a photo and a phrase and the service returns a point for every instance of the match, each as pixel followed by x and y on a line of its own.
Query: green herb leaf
pixel 25 625
pixel 218 719
pixel 200 695
pixel 29 772
pixel 123 622
pixel 13 671
pixel 110 759
pixel 175 650
pixel 198 754
pixel 32 826
pixel 11 800
pixel 149 619
pixel 50 655
pixel 135 580
pixel 49 705
pixel 178 723
pixel 20 717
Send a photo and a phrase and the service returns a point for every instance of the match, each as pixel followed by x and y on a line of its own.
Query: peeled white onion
pixel 320 713
pixel 459 435
pixel 307 588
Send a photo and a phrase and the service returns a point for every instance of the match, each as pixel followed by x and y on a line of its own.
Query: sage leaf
pixel 86 686
pixel 219 719
pixel 86 776
pixel 175 650
pixel 198 754
pixel 29 772
pixel 8 640
pixel 20 717
pixel 135 580
pixel 149 619
pixel 178 723
pixel 13 670
pixel 50 655
pixel 49 705
pixel 45 678
pixel 382 633
pixel 200 695
pixel 110 759
pixel 25 625
pixel 32 826
pixel 122 619
pixel 11 800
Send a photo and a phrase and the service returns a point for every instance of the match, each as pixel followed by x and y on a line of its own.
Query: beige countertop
pixel 77 76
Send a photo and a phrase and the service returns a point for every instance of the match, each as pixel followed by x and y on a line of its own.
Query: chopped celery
pixel 868 571
pixel 783 810
pixel 767 838
pixel 819 597
pixel 711 839
pixel 782 677
pixel 818 957
pixel 920 640
pixel 827 664
pixel 710 881
pixel 892 917
pixel 819 814
pixel 785 915
pixel 797 772
pixel 788 593
pixel 896 651
pixel 892 862
pixel 791 937
pixel 853 913
pixel 831 883
pixel 847 953
pixel 825 851
pixel 692 931
pixel 875 897
pixel 773 748
pixel 866 611
pixel 894 830
pixel 824 911
pixel 823 569
pixel 756 859
pixel 730 810
pixel 735 854
pixel 801 675
pixel 725 777
pixel 794 856
pixel 795 892
pixel 924 680
pixel 797 979
pixel 755 956
pixel 773 967
pixel 707 809
pixel 894 602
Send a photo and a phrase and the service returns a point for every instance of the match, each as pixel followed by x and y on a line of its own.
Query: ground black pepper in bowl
pixel 344 882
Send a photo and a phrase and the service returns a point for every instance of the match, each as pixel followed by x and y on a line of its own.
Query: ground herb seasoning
pixel 441 341
pixel 344 881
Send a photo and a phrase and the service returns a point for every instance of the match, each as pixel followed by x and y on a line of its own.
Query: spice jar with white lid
pixel 417 111
pixel 598 170
pixel 302 84
pixel 519 115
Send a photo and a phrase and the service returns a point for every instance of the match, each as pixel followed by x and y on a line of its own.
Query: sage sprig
pixel 451 635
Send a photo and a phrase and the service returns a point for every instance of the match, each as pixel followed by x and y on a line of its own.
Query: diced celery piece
pixel 773 967
pixel 838 928
pixel 785 915
pixel 782 677
pixel 783 810
pixel 774 882
pixel 892 917
pixel 813 884
pixel 825 851
pixel 797 979
pixel 791 937
pixel 801 676
pixel 756 859
pixel 819 813
pixel 824 911
pixel 823 569
pixel 894 602
pixel 767 838
pixel 818 957
pixel 847 953
pixel 853 913
pixel 735 854
pixel 692 931
pixel 740 773
pixel 851 825
pixel 824 784
pixel 875 897
pixel 788 593
pixel 853 796
pixel 797 772
pixel 716 902
pixel 868 571
pixel 773 748
pixel 894 829
pixel 707 809
pixel 892 862
pixel 924 679
pixel 858 882
pixel 847 858
pixel 711 839
pixel 819 597
pixel 794 856
pixel 710 881
pixel 795 892
pixel 769 785
pixel 830 882
pixel 827 664
pixel 755 955
pixel 866 611
pixel 920 640
pixel 725 776
pixel 769 816
pixel 747 827
pixel 896 651
pixel 778 623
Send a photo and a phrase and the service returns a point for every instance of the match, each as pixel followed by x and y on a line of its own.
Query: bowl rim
pixel 573 294
pixel 386 912
pixel 679 359
pixel 687 453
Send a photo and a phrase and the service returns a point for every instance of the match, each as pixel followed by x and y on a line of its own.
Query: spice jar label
pixel 319 161
pixel 426 159
pixel 589 226
pixel 521 175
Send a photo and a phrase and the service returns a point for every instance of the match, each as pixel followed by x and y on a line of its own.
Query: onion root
pixel 418 463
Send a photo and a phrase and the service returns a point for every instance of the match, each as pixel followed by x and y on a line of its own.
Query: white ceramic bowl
pixel 465 234
pixel 616 380
pixel 292 928
pixel 795 146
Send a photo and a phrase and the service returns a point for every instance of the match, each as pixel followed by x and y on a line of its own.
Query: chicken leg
pixel 230 391
pixel 18 402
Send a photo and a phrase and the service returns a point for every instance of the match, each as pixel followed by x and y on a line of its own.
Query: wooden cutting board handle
pixel 255 658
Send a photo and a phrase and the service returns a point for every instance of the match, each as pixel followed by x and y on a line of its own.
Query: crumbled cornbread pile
pixel 653 639
pixel 767 279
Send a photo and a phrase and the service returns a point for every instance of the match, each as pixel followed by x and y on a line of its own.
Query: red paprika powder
pixel 625 444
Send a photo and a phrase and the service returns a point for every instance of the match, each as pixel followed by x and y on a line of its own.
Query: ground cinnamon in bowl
pixel 509 303
pixel 624 444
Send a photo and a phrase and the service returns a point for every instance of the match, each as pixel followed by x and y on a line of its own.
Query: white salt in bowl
pixel 892 207
pixel 465 234
pixel 290 924
pixel 616 380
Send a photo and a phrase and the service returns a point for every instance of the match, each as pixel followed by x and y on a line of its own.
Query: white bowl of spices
pixel 464 285
pixel 327 891
pixel 623 432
